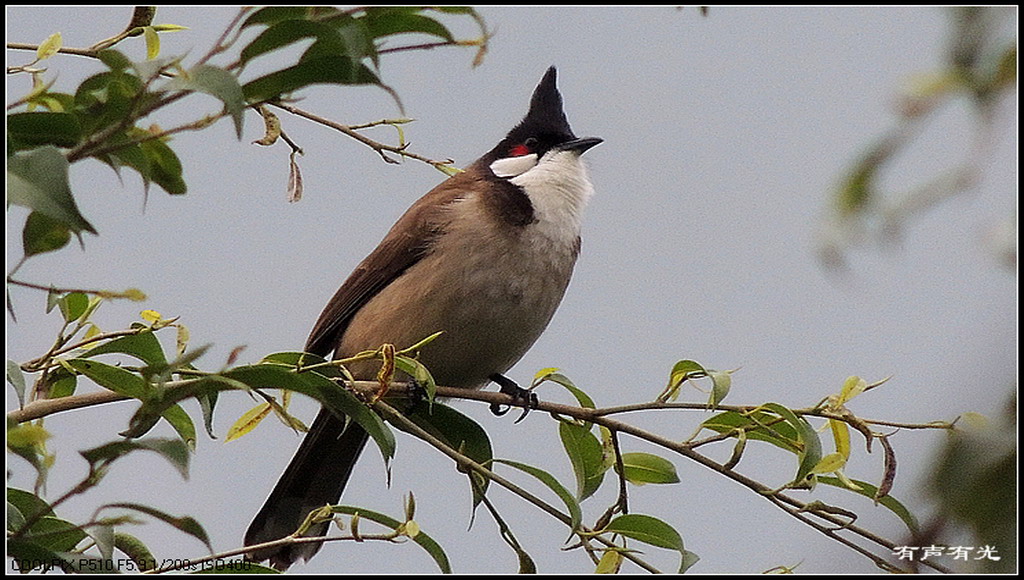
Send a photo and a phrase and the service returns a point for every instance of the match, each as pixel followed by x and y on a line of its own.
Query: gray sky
pixel 722 135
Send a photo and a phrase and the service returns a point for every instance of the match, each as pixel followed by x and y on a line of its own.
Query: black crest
pixel 545 123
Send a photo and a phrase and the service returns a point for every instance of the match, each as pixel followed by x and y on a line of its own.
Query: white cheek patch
pixel 513 166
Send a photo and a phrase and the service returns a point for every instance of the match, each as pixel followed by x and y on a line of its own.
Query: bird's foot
pixel 526 398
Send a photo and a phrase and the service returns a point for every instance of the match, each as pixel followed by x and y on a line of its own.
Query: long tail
pixel 315 477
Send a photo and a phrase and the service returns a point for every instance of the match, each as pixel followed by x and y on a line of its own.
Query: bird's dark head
pixel 544 129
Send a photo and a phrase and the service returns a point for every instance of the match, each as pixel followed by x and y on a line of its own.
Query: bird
pixel 485 256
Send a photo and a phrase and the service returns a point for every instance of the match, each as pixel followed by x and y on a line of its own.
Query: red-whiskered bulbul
pixel 485 257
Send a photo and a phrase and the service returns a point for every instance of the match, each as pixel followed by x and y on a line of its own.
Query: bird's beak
pixel 579 145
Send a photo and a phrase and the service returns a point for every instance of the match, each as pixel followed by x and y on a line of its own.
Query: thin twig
pixel 220 45
pixel 88 52
pixel 193 564
pixel 382 149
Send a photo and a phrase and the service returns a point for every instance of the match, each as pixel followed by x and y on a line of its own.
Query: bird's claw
pixel 520 397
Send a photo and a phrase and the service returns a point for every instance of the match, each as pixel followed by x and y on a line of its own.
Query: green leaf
pixel 102 536
pixel 151 69
pixel 869 490
pixel 651 530
pixel 575 513
pixel 26 440
pixel 27 504
pixel 38 180
pixel 720 383
pixel 169 27
pixel 681 371
pixel 685 369
pixel 53 102
pixel 319 70
pixel 16 378
pixel 218 83
pixel 135 549
pixel 810 455
pixel 55 534
pixel 585 455
pixel 43 234
pixel 114 378
pixel 43 128
pixel 62 383
pixel 106 99
pixel 185 524
pixel 164 165
pixel 128 155
pixel 315 385
pixel 418 373
pixel 759 425
pixel 143 346
pixel 687 561
pixel 275 14
pixel 457 430
pixel 646 529
pixel 609 563
pixel 391 20
pixel 551 374
pixel 643 468
pixel 422 539
pixel 114 60
pixel 179 420
pixel 73 305
pixel 25 555
pixel 173 450
pixel 287 32
pixel 132 385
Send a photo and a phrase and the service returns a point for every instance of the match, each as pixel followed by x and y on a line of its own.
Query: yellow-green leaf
pixel 851 388
pixel 182 338
pixel 829 463
pixel 134 294
pixel 721 381
pixel 26 435
pixel 91 331
pixel 49 47
pixel 248 421
pixel 152 42
pixel 841 436
pixel 168 27
pixel 150 316
pixel 609 563
pixel 848 482
pixel 410 529
pixel 542 374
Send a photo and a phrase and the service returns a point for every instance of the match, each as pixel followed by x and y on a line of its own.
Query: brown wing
pixel 405 244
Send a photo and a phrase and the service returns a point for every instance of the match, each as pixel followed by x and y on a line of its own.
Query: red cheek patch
pixel 519 151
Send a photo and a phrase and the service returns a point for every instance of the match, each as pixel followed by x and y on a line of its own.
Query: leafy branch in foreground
pixel 597 440
pixel 49 130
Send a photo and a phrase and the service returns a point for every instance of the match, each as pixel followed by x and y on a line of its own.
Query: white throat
pixel 558 187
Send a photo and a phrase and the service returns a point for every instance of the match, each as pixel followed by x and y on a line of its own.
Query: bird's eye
pixel 524 148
